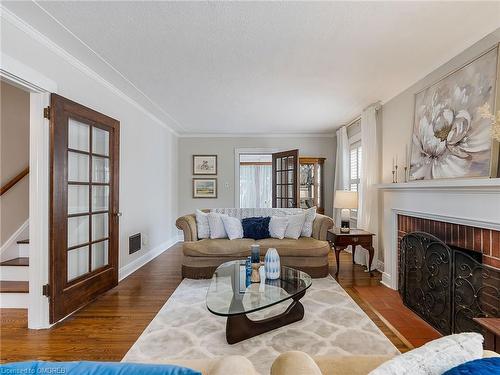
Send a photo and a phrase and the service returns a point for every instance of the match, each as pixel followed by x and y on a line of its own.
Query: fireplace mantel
pixel 471 185
pixel 472 202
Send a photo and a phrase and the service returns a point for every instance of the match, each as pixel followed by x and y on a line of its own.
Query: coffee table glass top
pixel 228 293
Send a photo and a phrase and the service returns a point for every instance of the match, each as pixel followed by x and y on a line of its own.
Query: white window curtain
pixel 341 168
pixel 255 186
pixel 370 174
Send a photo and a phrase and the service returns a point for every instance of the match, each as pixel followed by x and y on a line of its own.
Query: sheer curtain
pixel 368 193
pixel 255 186
pixel 342 168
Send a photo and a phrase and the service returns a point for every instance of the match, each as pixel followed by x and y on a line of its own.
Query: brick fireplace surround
pixel 485 241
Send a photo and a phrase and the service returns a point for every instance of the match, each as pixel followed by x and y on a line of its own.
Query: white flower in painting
pixel 446 140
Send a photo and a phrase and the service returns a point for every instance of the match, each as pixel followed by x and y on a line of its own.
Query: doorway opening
pixel 255 180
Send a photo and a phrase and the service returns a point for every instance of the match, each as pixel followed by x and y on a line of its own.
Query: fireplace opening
pixel 478 257
pixel 445 285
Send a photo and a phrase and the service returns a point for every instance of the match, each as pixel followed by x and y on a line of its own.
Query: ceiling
pixel 261 67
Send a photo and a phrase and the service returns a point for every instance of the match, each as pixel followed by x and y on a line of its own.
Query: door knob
pixel 118 214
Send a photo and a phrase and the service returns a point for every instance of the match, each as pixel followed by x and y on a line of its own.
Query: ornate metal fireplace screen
pixel 445 286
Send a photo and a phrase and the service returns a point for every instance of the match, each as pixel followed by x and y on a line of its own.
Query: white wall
pixel 224 148
pixel 397 123
pixel 14 157
pixel 148 151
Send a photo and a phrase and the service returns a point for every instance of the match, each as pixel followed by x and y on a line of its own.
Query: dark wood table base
pixel 240 327
pixel 356 237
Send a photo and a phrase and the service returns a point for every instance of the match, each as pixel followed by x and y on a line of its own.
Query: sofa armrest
pixel 294 363
pixel 321 224
pixel 187 224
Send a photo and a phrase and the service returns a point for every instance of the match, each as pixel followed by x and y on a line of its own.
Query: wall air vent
pixel 134 243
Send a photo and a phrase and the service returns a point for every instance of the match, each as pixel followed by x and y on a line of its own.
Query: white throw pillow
pixel 277 226
pixel 307 229
pixel 294 227
pixel 435 357
pixel 216 225
pixel 233 227
pixel 202 224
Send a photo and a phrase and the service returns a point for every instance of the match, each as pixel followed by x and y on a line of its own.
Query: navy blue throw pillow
pixel 256 227
pixel 483 366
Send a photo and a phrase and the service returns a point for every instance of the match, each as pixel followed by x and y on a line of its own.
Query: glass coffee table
pixel 230 295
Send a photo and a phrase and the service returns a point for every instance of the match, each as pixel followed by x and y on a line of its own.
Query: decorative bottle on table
pixel 272 264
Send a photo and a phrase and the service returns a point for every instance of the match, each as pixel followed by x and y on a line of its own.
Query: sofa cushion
pixel 233 227
pixel 295 225
pixel 202 224
pixel 256 227
pixel 307 229
pixel 216 225
pixel 301 247
pixel 220 247
pixel 435 357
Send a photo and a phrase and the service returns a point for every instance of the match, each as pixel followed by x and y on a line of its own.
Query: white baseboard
pixel 9 249
pixel 386 280
pixel 14 300
pixel 380 266
pixel 149 256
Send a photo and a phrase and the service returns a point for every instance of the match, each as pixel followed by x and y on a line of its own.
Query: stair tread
pixel 22 261
pixel 27 241
pixel 14 287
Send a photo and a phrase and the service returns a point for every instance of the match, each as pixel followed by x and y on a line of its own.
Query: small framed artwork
pixel 204 188
pixel 204 164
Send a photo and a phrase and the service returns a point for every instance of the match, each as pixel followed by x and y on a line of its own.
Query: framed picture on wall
pixel 204 164
pixel 204 188
pixel 452 130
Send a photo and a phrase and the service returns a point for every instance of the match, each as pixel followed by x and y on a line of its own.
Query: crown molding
pixel 19 23
pixel 257 135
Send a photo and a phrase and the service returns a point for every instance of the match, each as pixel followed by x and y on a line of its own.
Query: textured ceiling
pixel 256 67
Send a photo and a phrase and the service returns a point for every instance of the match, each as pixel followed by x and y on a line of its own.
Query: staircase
pixel 14 276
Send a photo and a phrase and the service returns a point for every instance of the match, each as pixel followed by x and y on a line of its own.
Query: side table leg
pixel 371 253
pixel 337 254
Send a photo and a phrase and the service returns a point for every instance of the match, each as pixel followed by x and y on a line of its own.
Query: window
pixel 355 161
pixel 354 171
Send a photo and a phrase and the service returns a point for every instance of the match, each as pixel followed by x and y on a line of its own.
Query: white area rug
pixel 333 324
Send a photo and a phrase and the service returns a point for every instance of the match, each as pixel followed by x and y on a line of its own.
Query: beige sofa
pixel 202 257
pixel 294 363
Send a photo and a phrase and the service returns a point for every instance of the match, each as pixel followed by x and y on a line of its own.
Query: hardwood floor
pixel 105 329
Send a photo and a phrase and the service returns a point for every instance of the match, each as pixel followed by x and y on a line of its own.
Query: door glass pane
pixel 278 163
pixel 78 262
pixel 78 167
pixel 78 230
pixel 284 163
pixel 290 177
pixel 78 135
pixel 290 190
pixel 100 141
pixel 100 169
pixel 99 254
pixel 78 199
pixel 99 226
pixel 100 198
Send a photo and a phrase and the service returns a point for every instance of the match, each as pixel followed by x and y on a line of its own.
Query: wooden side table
pixel 339 241
pixel 491 328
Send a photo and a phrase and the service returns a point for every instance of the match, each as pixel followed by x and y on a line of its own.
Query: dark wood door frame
pixel 66 297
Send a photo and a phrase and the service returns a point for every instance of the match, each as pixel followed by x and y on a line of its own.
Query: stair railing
pixel 14 180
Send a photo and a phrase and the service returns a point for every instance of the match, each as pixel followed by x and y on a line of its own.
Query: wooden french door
pixel 286 179
pixel 83 205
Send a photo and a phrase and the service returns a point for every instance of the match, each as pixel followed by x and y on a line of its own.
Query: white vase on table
pixel 272 264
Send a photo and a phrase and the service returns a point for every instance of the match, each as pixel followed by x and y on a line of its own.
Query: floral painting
pixel 451 136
